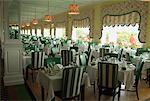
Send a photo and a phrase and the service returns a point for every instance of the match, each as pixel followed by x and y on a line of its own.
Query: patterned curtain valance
pixel 124 8
pixel 82 23
pixel 125 19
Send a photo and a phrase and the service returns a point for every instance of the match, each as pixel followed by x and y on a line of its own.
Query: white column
pixel 13 63
pixel 12 53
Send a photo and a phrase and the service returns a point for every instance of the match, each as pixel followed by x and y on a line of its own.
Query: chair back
pixel 66 57
pixel 71 82
pixel 75 48
pixel 127 56
pixel 107 75
pixel 139 67
pixel 37 59
pixel 83 59
pixel 103 51
pixel 120 54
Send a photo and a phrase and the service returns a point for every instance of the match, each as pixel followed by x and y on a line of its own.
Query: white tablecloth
pixel 127 76
pixel 53 83
pixel 26 60
pixel 146 65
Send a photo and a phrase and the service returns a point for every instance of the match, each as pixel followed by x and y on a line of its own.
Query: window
pixel 53 32
pixel 22 31
pixel 39 32
pixel 25 32
pixel 80 33
pixel 33 32
pixel 121 35
pixel 60 32
pixel 81 29
pixel 46 32
pixel 28 31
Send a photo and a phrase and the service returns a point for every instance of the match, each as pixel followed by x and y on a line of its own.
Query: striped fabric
pixel 120 54
pixel 38 59
pixel 75 48
pixel 103 51
pixel 83 59
pixel 108 79
pixel 71 82
pixel 107 75
pixel 66 57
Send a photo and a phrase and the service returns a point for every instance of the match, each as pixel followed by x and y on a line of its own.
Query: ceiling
pixel 28 7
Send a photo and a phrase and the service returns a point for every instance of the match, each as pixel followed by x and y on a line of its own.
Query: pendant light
pixel 22 25
pixel 48 18
pixel 28 24
pixel 73 9
pixel 35 21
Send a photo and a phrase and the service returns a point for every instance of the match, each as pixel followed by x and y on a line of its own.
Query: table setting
pixel 125 70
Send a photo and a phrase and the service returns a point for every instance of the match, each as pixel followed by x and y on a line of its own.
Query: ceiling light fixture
pixel 22 25
pixel 73 9
pixel 48 18
pixel 28 24
pixel 35 21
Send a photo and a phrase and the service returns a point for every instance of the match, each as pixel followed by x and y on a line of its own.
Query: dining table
pixel 52 82
pixel 125 75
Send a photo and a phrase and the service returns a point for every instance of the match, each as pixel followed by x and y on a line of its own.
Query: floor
pixel 144 93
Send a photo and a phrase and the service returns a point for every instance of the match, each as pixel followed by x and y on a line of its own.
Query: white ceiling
pixel 56 6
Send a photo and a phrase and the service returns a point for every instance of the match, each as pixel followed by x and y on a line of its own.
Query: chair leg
pixel 137 92
pixel 118 95
pixel 42 93
pixel 94 87
pixel 99 95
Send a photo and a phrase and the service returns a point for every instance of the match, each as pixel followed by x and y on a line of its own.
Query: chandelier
pixel 35 21
pixel 48 18
pixel 73 9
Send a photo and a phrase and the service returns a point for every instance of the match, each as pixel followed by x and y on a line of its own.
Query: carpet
pixel 18 93
pixel 148 99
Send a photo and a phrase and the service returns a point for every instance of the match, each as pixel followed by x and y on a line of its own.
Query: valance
pixel 82 23
pixel 137 7
pixel 125 19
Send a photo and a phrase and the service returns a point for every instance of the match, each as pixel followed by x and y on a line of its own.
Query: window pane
pixel 80 33
pixel 53 32
pixel 60 32
pixel 46 32
pixel 33 32
pixel 121 35
pixel 39 32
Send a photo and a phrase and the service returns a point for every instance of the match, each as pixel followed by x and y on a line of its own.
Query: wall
pixel 1 22
pixel 147 44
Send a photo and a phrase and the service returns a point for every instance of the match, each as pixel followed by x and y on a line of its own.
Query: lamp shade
pixel 22 25
pixel 73 9
pixel 34 21
pixel 28 24
pixel 48 18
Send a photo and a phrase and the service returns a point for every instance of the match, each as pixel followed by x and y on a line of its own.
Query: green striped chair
pixel 120 54
pixel 103 51
pixel 108 79
pixel 71 83
pixel 37 60
pixel 66 57
pixel 138 75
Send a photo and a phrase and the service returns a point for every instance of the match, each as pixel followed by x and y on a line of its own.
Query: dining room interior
pixel 84 50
